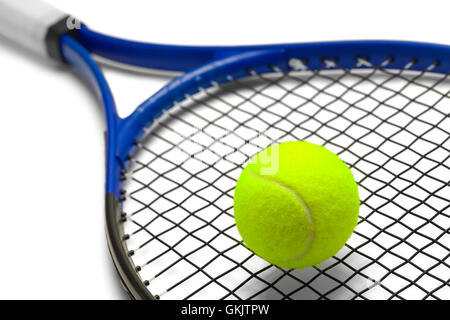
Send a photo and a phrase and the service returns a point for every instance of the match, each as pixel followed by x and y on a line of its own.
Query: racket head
pixel 420 65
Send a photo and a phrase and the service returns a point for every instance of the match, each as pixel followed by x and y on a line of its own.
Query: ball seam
pixel 302 203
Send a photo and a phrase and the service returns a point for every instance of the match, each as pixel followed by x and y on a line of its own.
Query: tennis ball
pixel 296 204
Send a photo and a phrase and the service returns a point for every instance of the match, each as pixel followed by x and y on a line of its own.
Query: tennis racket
pixel 172 165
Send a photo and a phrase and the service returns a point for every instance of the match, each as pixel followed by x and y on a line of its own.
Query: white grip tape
pixel 26 22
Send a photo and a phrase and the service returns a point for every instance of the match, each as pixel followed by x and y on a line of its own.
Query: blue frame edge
pixel 217 64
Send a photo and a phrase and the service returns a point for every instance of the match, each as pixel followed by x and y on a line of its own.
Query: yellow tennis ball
pixel 296 204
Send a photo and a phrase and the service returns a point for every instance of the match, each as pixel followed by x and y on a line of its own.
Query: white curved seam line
pixel 308 214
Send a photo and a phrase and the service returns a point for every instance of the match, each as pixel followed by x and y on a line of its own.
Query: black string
pixel 180 186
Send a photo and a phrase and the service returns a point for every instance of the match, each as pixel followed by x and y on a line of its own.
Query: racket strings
pixel 390 126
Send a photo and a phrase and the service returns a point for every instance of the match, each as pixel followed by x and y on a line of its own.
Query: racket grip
pixel 28 23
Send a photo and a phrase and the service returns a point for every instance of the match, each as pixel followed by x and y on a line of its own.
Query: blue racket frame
pixel 216 64
pixel 204 66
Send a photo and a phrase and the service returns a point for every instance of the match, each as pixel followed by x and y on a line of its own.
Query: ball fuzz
pixel 296 204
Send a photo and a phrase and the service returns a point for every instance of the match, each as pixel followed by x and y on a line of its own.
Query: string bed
pixel 391 127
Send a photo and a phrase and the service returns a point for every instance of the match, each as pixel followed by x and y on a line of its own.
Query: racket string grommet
pixel 158 296
pixel 298 64
pixel 330 63
pixel 216 84
pixel 275 68
pixel 123 175
pixel 433 65
pixel 363 62
pixel 389 60
pixel 251 72
pixel 412 62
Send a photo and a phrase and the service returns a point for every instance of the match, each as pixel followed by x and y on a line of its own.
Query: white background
pixel 52 242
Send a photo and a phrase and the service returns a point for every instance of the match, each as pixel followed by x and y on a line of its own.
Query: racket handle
pixel 28 22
